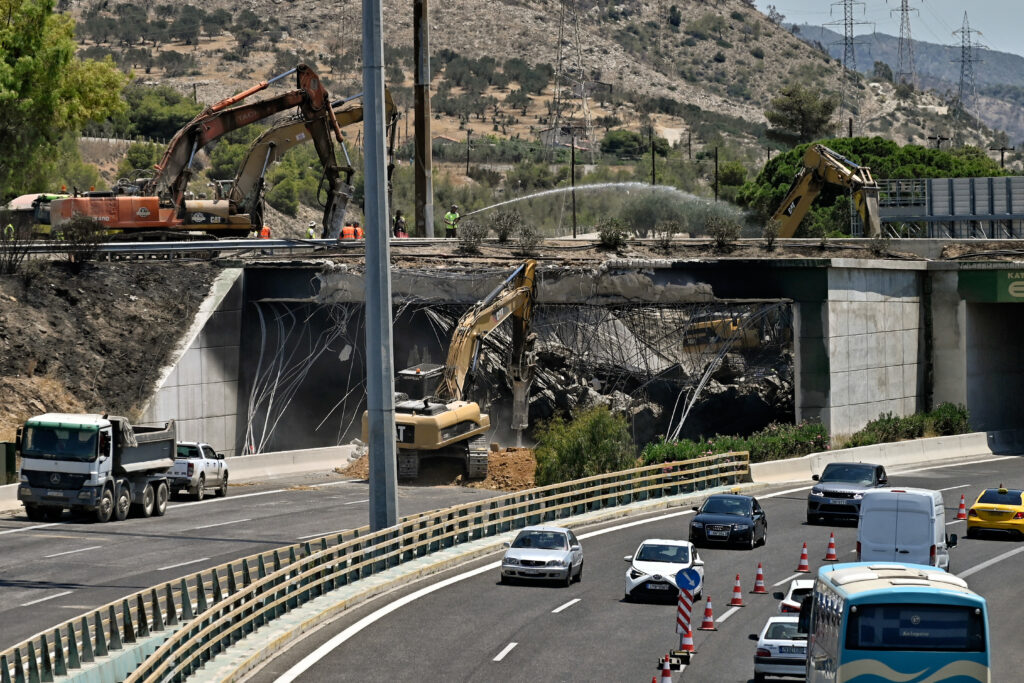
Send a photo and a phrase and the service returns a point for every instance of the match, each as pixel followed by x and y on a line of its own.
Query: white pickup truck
pixel 197 468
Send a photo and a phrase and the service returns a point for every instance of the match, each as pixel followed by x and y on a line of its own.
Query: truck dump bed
pixel 143 449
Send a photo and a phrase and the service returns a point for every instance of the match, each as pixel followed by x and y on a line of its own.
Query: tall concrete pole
pixel 380 377
pixel 424 161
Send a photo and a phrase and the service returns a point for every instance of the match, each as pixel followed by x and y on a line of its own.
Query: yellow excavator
pixel 823 165
pixel 432 417
pixel 248 189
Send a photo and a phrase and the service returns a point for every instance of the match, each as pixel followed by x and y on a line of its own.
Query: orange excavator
pixel 162 203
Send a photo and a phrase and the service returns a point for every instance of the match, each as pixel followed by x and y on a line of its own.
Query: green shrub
pixel 527 238
pixel 887 429
pixel 774 442
pixel 722 231
pixel 471 235
pixel 948 419
pixel 595 442
pixel 505 223
pixel 612 233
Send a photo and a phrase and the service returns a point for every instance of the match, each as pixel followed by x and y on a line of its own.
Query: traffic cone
pixel 737 594
pixel 803 566
pixel 759 586
pixel 830 554
pixel 666 671
pixel 708 624
pixel 685 645
pixel 962 512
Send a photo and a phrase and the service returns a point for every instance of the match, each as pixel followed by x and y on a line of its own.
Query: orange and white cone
pixel 685 645
pixel 759 586
pixel 804 565
pixel 830 554
pixel 708 623
pixel 666 671
pixel 962 512
pixel 737 594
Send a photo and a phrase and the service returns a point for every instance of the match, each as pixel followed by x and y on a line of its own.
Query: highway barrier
pixel 167 632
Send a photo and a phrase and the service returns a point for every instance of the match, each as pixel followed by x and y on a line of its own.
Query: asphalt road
pixel 474 629
pixel 53 572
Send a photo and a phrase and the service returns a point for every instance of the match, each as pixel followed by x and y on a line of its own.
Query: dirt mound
pixel 511 469
pixel 28 396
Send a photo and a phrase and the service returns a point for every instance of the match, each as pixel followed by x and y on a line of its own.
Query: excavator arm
pixel 824 166
pixel 513 299
pixel 248 188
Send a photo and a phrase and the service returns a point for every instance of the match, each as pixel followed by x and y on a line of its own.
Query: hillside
pixel 706 68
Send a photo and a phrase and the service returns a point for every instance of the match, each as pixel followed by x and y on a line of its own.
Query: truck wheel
pixel 145 508
pixel 223 490
pixel 200 488
pixel 105 506
pixel 160 504
pixel 34 513
pixel 122 503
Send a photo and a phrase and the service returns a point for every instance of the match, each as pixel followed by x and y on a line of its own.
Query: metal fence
pixel 206 614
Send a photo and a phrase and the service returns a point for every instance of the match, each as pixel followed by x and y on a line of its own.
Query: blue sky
pixel 934 21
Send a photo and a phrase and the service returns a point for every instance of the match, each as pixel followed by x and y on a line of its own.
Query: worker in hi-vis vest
pixel 451 220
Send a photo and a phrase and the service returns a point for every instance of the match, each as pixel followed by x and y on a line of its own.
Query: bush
pixel 594 443
pixel 665 232
pixel 612 233
pixel 723 232
pixel 15 239
pixel 770 233
pixel 948 419
pixel 471 236
pixel 888 428
pixel 774 442
pixel 80 240
pixel 527 238
pixel 505 224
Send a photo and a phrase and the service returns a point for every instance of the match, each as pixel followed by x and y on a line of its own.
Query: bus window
pixel 951 628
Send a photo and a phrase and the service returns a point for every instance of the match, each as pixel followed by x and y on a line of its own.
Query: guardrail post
pixel 201 605
pixel 47 665
pixel 172 611
pixel 33 666
pixel 101 639
pixel 218 595
pixel 5 672
pixel 19 672
pixel 59 667
pixel 154 605
pixel 74 661
pixel 115 634
pixel 87 655
pixel 129 629
pixel 186 602
pixel 478 522
pixel 140 610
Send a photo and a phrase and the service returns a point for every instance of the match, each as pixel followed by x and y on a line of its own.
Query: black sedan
pixel 729 518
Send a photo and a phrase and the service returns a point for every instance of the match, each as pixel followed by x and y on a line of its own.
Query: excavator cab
pixel 419 382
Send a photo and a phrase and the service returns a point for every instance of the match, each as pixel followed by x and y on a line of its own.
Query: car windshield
pixel 783 630
pixel 727 506
pixel 653 552
pixel 58 443
pixel 185 452
pixel 994 497
pixel 849 474
pixel 799 594
pixel 541 540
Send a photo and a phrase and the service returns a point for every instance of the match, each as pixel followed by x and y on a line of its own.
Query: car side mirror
pixel 753 636
pixel 698 562
pixel 778 595
pixel 814 477
pixel 883 482
pixel 506 544
pixel 220 456
pixel 951 541
pixel 695 509
pixel 627 558
pixel 575 548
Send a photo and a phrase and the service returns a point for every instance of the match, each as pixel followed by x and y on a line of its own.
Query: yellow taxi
pixel 999 510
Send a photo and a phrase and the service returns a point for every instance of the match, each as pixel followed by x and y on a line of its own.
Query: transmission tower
pixel 905 72
pixel 966 90
pixel 570 97
pixel 849 52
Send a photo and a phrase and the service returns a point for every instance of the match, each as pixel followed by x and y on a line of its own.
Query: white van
pixel 904 525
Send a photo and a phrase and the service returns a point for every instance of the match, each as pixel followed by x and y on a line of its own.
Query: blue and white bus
pixel 870 622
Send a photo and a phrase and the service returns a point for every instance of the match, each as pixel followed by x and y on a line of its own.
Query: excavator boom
pixel 824 166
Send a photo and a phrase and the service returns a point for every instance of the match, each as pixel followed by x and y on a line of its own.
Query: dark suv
pixel 840 488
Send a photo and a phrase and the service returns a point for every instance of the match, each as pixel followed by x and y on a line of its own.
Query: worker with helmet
pixel 348 232
pixel 311 230
pixel 451 220
pixel 359 231
pixel 265 232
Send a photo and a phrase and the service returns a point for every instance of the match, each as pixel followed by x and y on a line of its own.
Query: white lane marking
pixel 322 533
pixel 728 613
pixel 210 526
pixel 58 595
pixel 955 521
pixel 356 502
pixel 214 500
pixel 950 488
pixel 336 483
pixel 508 648
pixel 788 578
pixel 988 563
pixel 69 552
pixel 28 528
pixel 181 564
pixel 565 606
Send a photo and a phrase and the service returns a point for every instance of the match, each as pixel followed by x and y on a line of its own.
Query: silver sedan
pixel 543 552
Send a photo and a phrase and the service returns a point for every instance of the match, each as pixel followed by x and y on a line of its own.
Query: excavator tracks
pixel 476 459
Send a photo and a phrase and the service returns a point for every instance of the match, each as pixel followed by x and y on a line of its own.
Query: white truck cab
pixel 905 525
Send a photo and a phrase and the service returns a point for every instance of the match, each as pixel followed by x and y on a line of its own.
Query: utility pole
pixel 716 174
pixel 468 132
pixel 966 87
pixel 938 140
pixel 849 133
pixel 380 376
pixel 572 180
pixel 689 145
pixel 905 72
pixel 849 52
pixel 1002 154
pixel 650 137
pixel 424 161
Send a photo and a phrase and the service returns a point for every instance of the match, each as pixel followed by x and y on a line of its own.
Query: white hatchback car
pixel 781 649
pixel 653 567
pixel 543 552
pixel 789 603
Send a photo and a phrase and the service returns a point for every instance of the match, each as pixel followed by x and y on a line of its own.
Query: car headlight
pixel 510 560
pixel 742 527
pixel 817 493
pixel 635 573
pixel 697 525
pixel 557 563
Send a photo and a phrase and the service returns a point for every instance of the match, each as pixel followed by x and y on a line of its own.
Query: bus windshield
pixel 59 443
pixel 948 628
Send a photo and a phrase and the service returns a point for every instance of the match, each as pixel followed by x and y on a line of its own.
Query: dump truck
pixel 98 465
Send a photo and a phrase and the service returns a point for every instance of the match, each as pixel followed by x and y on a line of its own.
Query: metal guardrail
pixel 216 608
